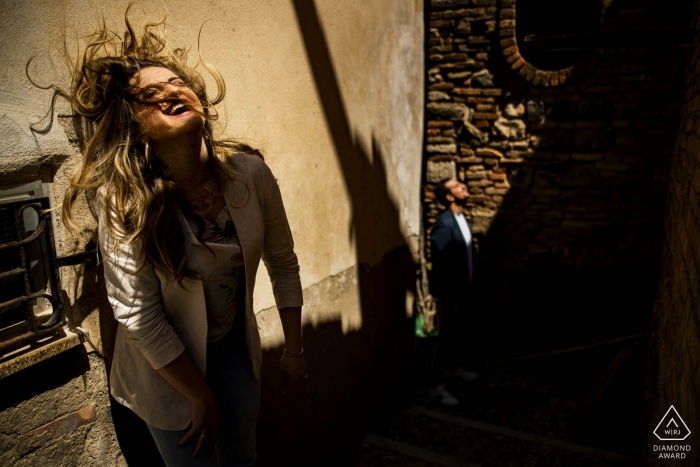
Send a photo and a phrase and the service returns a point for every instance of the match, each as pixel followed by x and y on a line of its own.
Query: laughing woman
pixel 184 219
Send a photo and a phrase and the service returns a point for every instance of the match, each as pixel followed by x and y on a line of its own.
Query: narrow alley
pixel 575 409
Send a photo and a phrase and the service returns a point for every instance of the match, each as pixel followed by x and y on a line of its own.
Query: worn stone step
pixel 414 453
pixel 522 435
pixel 491 445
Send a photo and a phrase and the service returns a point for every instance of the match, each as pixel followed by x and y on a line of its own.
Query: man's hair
pixel 441 191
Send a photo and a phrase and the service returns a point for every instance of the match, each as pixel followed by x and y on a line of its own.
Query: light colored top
pixel 158 319
pixel 467 234
pixel 220 265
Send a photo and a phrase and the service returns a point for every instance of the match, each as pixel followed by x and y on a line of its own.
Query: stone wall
pixel 58 413
pixel 675 377
pixel 567 168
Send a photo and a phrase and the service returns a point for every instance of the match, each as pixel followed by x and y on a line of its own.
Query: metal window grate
pixel 24 255
pixel 9 259
pixel 29 277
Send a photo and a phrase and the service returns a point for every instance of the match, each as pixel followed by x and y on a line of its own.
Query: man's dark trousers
pixel 450 284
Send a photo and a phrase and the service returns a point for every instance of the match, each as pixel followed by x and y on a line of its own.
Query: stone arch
pixel 529 72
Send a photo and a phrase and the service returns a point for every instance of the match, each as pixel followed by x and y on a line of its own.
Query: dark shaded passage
pixel 568 206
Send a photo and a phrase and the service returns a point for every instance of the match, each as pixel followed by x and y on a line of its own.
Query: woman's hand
pixel 293 373
pixel 292 369
pixel 186 378
pixel 205 424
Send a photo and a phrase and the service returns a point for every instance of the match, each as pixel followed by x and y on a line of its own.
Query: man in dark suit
pixel 452 258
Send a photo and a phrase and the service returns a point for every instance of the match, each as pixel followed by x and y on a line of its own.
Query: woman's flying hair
pixel 140 200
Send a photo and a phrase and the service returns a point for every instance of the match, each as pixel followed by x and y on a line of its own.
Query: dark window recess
pixel 553 34
pixel 30 300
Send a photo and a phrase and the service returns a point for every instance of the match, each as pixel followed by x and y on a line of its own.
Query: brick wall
pixel 568 168
pixel 677 332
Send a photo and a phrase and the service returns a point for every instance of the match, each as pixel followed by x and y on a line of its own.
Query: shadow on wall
pixel 568 187
pixel 354 374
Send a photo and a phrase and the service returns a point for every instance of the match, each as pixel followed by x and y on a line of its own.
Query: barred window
pixel 552 34
pixel 31 309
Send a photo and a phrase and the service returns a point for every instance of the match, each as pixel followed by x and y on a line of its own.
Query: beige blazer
pixel 158 319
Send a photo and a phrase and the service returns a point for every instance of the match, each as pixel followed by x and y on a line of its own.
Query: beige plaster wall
pixel 272 102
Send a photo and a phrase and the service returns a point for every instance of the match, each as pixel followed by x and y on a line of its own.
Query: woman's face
pixel 174 116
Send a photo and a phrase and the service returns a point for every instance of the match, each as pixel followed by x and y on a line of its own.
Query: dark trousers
pixel 237 395
pixel 455 344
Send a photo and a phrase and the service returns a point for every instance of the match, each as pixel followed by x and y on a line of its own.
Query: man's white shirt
pixel 467 234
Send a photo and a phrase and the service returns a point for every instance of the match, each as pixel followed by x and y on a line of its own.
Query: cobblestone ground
pixel 515 414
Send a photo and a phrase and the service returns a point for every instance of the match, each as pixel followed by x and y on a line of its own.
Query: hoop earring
pixel 147 153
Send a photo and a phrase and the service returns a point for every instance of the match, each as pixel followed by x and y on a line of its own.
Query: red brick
pixel 467 91
pixel 510 50
pixel 456 57
pixel 485 108
pixel 485 116
pixel 513 57
pixel 517 63
pixel 507 13
pixel 478 100
pixel 493 92
pixel 441 86
pixel 439 49
pixel 59 427
pixel 528 72
pixel 440 124
pixel 489 152
pixel 507 42
pixel 441 24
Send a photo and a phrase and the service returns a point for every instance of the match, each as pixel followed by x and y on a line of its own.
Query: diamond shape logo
pixel 672 427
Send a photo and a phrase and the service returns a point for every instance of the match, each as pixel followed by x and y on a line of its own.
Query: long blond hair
pixel 115 159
